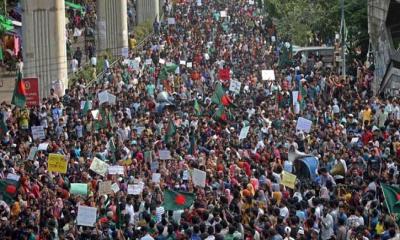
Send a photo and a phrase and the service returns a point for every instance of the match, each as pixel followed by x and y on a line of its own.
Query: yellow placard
pixel 57 163
pixel 288 179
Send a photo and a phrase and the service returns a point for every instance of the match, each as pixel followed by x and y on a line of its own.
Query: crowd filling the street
pixel 210 129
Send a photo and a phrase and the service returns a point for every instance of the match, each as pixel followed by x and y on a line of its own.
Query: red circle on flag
pixel 11 189
pixel 180 199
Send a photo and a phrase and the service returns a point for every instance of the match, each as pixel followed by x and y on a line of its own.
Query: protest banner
pixel 303 125
pixel 288 179
pixel 32 153
pixel 135 189
pixel 235 86
pixel 38 132
pixel 116 169
pixel 57 163
pixel 243 132
pixel 171 21
pixel 86 216
pixel 268 75
pixel 79 189
pixel 182 62
pixel 99 166
pixel 156 177
pixel 32 91
pixel 164 154
pixel 115 187
pixel 199 177
pixel 43 146
pixel 105 188
pixel 148 61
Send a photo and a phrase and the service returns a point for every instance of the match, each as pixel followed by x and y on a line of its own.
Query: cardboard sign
pixel 161 61
pixel 223 14
pixel 114 170
pixel 288 179
pixel 135 189
pixel 32 91
pixel 103 97
pixel 268 75
pixel 154 165
pixel 115 187
pixel 189 64
pixel 79 189
pixel 156 177
pixel 243 132
pixel 57 163
pixel 86 216
pixel 235 86
pixel 38 132
pixel 199 178
pixel 43 146
pixel 181 62
pixel 134 64
pixel 32 153
pixel 99 166
pixel 95 114
pixel 105 188
pixel 171 21
pixel 303 125
pixel 164 154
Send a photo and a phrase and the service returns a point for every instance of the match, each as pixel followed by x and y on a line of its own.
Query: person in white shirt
pixel 74 65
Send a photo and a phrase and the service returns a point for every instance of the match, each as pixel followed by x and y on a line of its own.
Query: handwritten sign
pixel 79 189
pixel 164 154
pixel 268 75
pixel 235 86
pixel 105 188
pixel 199 178
pixel 114 170
pixel 38 132
pixel 243 132
pixel 57 163
pixel 32 153
pixel 86 216
pixel 303 125
pixel 135 189
pixel 99 166
pixel 288 179
pixel 115 187
pixel 156 177
pixel 43 146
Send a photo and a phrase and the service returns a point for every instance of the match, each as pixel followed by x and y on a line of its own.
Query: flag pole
pixel 384 196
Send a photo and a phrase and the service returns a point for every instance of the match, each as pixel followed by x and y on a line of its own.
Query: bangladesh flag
pixel 19 95
pixel 223 114
pixel 168 68
pixel 218 94
pixel 171 131
pixel 197 108
pixel 392 197
pixel 8 191
pixel 85 108
pixel 177 200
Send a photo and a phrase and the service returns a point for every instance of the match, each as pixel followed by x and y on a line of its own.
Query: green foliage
pixel 298 20
pixel 142 30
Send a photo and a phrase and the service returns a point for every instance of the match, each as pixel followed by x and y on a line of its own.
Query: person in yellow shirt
pixel 367 115
pixel 132 42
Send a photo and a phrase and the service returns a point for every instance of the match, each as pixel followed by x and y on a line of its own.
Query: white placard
pixel 156 177
pixel 32 153
pixel 134 64
pixel 189 64
pixel 13 177
pixel 99 166
pixel 223 14
pixel 295 96
pixel 138 59
pixel 103 97
pixel 235 86
pixel 185 175
pixel 113 170
pixel 199 3
pixel 38 132
pixel 95 114
pixel 273 39
pixel 199 178
pixel 268 75
pixel 354 140
pixel 115 187
pixel 303 125
pixel 135 189
pixel 171 21
pixel 243 132
pixel 161 61
pixel 206 56
pixel 43 146
pixel 77 32
pixel 149 61
pixel 165 154
pixel 112 99
pixel 86 216
pixel 251 2
pixel 182 62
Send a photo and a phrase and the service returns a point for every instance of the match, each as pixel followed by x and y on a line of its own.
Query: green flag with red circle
pixel 177 200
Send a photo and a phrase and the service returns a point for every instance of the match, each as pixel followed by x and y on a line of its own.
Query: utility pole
pixel 343 40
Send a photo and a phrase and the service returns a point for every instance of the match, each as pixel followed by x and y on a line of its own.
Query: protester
pixel 158 149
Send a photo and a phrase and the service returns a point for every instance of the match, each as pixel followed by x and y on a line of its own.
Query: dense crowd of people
pixel 172 96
